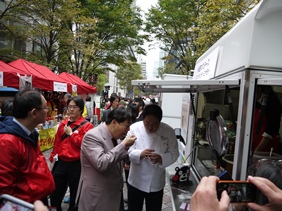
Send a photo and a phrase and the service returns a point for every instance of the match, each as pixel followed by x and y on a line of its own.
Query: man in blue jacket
pixel 24 172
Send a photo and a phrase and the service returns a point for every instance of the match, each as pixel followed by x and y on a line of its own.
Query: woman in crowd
pixel 66 171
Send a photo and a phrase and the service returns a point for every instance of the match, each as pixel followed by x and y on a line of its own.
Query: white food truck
pixel 225 79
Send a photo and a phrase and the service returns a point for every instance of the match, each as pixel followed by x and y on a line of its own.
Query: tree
pixel 126 73
pixel 114 41
pixel 188 28
pixel 101 81
pixel 168 69
pixel 41 24
pixel 6 53
pixel 170 22
pixel 80 37
pixel 217 17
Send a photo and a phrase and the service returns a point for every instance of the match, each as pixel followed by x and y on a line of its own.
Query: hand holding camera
pixel 213 195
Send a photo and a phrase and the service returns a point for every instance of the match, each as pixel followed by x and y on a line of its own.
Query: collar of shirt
pixel 28 132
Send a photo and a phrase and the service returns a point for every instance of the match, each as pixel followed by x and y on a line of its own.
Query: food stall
pixel 225 80
pixel 21 73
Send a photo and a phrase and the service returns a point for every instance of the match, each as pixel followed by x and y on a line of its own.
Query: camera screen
pixel 6 205
pixel 238 192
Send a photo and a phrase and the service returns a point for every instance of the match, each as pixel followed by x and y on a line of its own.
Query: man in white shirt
pixel 154 149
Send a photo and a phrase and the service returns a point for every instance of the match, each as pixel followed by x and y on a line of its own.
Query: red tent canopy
pixel 82 86
pixel 42 77
pixel 10 75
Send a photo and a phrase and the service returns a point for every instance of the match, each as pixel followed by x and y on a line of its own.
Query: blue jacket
pixel 8 126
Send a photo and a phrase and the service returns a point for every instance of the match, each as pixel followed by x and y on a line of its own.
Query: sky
pixel 152 54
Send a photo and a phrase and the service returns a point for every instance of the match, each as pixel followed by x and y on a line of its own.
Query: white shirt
pixel 144 175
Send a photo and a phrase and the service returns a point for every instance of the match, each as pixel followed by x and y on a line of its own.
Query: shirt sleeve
pixel 171 155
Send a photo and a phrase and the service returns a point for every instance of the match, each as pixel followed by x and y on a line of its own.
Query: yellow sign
pixel 47 138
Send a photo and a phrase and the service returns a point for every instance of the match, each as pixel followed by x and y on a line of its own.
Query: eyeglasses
pixel 74 107
pixel 45 108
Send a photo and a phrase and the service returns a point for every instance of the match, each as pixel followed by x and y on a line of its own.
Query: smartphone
pixel 238 191
pixel 11 203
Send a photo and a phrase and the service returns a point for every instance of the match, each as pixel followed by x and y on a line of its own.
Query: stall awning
pixel 42 77
pixel 182 86
pixel 9 75
pixel 82 86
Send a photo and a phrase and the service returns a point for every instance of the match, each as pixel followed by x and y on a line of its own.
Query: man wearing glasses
pixel 24 172
pixel 67 145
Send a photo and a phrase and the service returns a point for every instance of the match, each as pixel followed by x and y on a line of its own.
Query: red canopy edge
pixel 42 77
pixel 82 86
pixel 11 75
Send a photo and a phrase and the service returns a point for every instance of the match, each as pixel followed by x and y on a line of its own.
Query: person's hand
pixel 39 206
pixel 126 166
pixel 205 196
pixel 270 191
pixel 155 158
pixel 146 153
pixel 129 141
pixel 67 130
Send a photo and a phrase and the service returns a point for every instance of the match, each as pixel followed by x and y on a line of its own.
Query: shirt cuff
pixel 126 148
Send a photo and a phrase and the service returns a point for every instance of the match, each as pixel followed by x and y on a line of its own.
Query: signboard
pixel 60 87
pixel 1 79
pixel 46 138
pixel 206 68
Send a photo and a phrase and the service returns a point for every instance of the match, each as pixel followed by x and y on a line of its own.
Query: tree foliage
pixel 84 38
pixel 41 24
pixel 114 41
pixel 217 17
pixel 170 22
pixel 7 53
pixel 102 80
pixel 186 29
pixel 126 73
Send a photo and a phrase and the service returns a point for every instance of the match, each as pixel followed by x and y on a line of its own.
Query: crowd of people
pixel 90 160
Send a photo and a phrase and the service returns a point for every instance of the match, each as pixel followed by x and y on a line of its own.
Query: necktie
pixel 114 142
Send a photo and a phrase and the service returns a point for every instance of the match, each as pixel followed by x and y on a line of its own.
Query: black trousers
pixel 136 198
pixel 65 174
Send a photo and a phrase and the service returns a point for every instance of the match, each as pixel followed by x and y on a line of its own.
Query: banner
pixel 47 138
pixel 25 81
pixel 1 79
